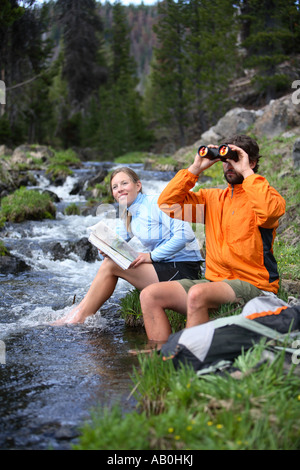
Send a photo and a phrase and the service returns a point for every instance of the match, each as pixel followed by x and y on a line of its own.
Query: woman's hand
pixel 103 254
pixel 142 258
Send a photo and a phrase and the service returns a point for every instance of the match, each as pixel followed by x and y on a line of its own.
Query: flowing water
pixel 52 377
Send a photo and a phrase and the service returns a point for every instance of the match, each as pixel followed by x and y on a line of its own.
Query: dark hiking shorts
pixel 177 270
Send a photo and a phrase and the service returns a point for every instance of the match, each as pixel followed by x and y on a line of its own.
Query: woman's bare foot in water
pixel 74 317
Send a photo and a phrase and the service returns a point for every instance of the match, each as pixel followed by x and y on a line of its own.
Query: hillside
pixel 276 127
pixel 141 19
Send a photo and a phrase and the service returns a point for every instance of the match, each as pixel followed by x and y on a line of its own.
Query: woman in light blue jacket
pixel 172 249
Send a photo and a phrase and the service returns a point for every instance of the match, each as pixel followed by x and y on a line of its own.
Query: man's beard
pixel 234 178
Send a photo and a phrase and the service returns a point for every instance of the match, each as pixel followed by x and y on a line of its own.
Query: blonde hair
pixel 126 216
pixel 129 172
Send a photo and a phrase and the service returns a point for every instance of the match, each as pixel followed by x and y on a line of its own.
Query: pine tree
pixel 81 26
pixel 121 125
pixel 271 32
pixel 211 50
pixel 23 57
pixel 169 67
pixel 123 65
pixel 193 65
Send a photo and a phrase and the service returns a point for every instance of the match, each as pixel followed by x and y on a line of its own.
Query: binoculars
pixel 223 152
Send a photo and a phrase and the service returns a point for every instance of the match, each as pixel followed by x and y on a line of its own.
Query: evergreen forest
pixel 115 78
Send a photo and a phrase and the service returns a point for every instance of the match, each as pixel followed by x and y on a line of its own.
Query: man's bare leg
pixel 171 295
pixel 203 296
pixel 154 300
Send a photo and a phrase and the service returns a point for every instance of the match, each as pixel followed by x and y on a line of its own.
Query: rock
pixel 98 178
pixel 42 152
pixel 235 121
pixel 54 197
pixel 290 286
pixel 209 137
pixel 78 186
pixel 270 121
pixel 85 250
pixel 26 153
pixel 276 117
pixel 10 264
pixel 148 164
pixel 58 180
pixel 82 248
pixel 87 154
pixel 4 150
pixel 20 156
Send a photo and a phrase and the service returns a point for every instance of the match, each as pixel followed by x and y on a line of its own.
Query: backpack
pixel 216 344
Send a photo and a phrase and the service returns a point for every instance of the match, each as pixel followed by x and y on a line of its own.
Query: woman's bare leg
pixel 154 300
pixel 104 285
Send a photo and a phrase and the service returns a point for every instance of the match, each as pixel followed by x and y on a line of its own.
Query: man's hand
pixel 243 165
pixel 202 163
pixel 142 258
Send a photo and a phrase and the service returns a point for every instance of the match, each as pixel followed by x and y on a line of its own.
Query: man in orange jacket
pixel 240 225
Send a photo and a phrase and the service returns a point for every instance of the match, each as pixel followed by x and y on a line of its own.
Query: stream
pixel 52 377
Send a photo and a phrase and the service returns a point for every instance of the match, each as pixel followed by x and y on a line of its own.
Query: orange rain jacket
pixel 240 226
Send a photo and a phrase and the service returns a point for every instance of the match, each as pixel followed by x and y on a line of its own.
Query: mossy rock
pixel 26 204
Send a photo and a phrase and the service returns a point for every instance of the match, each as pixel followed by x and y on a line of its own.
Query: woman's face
pixel 124 190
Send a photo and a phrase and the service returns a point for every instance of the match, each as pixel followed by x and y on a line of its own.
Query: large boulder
pixel 270 121
pixel 27 153
pixel 235 121
pixel 277 117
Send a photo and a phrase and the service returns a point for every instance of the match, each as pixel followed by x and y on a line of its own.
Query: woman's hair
pixel 249 145
pixel 132 175
pixel 126 216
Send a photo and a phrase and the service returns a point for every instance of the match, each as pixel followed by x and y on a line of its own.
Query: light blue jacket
pixel 165 238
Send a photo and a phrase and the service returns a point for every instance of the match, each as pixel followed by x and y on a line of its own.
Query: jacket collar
pixel 236 188
pixel 134 207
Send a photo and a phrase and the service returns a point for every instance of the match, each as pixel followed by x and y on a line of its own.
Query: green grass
pixel 130 311
pixel 3 250
pixel 61 163
pixel 288 259
pixel 26 204
pixel 72 209
pixel 141 157
pixel 132 157
pixel 177 410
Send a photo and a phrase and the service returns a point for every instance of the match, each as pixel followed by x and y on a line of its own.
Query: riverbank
pixel 257 409
pixel 172 410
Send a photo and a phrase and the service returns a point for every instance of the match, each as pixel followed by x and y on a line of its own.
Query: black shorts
pixel 178 270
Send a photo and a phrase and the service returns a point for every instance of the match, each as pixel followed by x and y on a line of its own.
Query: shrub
pixel 72 209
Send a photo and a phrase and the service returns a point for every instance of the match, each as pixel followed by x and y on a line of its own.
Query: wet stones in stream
pixel 81 248
pixel 10 264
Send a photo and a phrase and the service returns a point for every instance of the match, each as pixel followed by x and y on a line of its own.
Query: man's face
pixel 231 176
